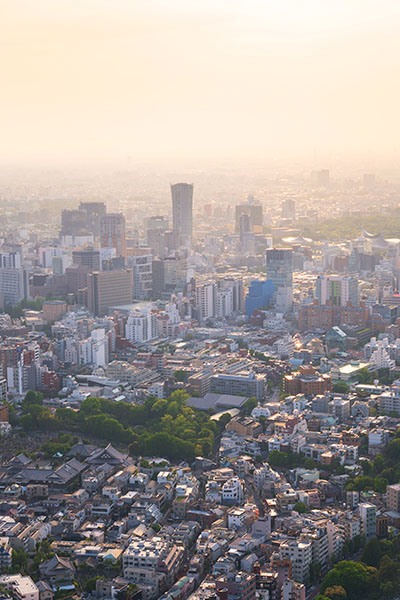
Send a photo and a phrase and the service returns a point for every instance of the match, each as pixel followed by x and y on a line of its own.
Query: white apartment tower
pixel 206 301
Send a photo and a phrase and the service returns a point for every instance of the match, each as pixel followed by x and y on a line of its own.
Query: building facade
pixel 113 233
pixel 182 209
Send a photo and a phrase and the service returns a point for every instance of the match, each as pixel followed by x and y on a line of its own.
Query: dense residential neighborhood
pixel 190 410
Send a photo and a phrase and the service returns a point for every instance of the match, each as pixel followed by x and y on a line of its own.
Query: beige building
pixel 393 497
pixel 109 288
pixel 53 310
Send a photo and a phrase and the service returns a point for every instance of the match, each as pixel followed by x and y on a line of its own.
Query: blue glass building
pixel 259 295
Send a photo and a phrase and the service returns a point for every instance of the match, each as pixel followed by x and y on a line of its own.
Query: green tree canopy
pixel 340 387
pixel 372 553
pixel 300 507
pixel 180 375
pixel 355 578
pixel 336 592
pixel 249 405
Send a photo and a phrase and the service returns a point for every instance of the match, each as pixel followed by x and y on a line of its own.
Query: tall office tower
pixel 280 272
pixel 14 286
pixel 94 212
pixel 254 210
pixel 73 222
pixel 337 290
pixel 280 267
pixel 88 257
pixel 109 288
pixel 289 209
pixel 158 278
pixel 244 227
pixel 247 237
pixel 113 233
pixel 182 210
pixel 140 261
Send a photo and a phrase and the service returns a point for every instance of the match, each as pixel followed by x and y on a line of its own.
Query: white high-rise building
pixel 392 348
pixel 380 359
pixel 300 554
pixel 224 303
pixel 94 350
pixel 367 513
pixel 142 326
pixel 14 286
pixel 206 301
pixel 99 347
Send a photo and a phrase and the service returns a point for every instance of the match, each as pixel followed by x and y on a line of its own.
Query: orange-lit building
pixel 307 381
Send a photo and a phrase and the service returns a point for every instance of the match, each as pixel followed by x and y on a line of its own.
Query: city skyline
pixel 199 300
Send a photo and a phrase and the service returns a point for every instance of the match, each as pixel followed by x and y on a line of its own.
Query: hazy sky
pixel 221 79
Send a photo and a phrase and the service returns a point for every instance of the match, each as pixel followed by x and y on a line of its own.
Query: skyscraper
pixel 112 233
pixel 182 209
pixel 280 267
pixel 94 212
pixel 280 272
pixel 73 222
pixel 254 210
pixel 244 227
pixel 86 219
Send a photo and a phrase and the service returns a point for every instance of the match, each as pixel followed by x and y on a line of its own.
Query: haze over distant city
pixel 188 81
pixel 199 300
